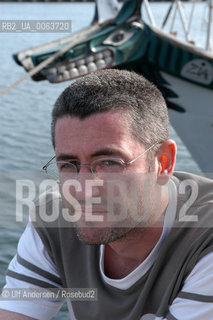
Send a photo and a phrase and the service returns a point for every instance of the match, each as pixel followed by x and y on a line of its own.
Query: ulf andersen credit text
pixel 55 294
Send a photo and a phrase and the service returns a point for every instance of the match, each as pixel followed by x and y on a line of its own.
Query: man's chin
pixel 95 235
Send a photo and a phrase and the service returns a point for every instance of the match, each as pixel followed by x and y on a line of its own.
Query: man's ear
pixel 166 161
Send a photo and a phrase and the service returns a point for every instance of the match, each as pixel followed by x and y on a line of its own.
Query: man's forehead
pixel 101 123
pixel 104 130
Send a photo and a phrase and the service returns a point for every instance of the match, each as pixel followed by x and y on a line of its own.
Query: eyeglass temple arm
pixel 152 146
pixel 46 165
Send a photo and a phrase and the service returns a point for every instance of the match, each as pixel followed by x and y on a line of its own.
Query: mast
pixel 208 40
pixel 105 10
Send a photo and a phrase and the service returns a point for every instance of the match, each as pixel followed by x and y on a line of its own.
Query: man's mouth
pixel 93 209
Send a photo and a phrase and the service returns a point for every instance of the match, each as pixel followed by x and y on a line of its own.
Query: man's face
pixel 124 200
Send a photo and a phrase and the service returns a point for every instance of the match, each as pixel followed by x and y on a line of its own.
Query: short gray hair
pixel 114 90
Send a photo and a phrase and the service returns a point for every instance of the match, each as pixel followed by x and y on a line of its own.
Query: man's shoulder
pixel 189 183
pixel 182 175
pixel 49 196
pixel 194 200
pixel 47 210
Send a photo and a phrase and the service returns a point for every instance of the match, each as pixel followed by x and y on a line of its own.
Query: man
pixel 127 226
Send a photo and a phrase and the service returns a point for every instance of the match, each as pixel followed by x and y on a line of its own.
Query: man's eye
pixel 70 165
pixel 111 163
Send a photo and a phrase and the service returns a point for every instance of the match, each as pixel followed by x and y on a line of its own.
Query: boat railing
pixel 176 8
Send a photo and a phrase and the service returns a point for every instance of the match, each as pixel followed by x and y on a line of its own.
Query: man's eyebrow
pixel 106 152
pixel 102 152
pixel 65 156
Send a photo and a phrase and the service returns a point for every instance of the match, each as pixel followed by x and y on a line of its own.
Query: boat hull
pixel 195 125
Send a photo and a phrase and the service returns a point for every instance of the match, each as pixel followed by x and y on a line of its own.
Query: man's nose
pixel 84 173
pixel 90 184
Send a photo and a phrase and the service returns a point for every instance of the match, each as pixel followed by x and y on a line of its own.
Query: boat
pixel 118 37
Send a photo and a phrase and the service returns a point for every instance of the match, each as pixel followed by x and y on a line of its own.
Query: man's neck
pixel 124 255
pixel 121 257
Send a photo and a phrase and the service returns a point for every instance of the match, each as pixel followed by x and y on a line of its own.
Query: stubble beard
pixel 101 235
pixel 104 233
pixel 138 218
